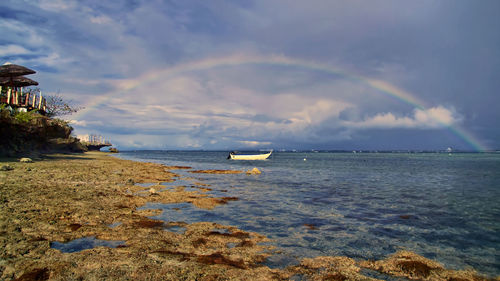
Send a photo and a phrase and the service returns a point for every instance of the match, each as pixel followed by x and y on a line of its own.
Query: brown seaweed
pixel 145 223
pixel 38 274
pixel 218 258
pixel 74 226
pixel 237 234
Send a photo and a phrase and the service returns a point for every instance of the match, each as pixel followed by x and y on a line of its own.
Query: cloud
pixel 84 123
pixel 218 107
pixel 255 143
pixel 111 51
pixel 432 118
pixel 100 19
pixel 13 50
pixel 57 5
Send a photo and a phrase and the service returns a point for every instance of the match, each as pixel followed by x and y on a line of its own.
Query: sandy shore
pixel 64 197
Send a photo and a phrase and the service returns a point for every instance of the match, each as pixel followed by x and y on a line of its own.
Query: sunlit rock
pixel 254 171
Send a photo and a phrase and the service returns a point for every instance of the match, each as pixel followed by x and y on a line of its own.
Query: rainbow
pixel 238 60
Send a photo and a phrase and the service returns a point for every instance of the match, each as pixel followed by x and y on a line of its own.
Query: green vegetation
pixel 25 117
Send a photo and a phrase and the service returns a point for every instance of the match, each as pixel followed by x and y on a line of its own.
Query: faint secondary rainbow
pixel 240 60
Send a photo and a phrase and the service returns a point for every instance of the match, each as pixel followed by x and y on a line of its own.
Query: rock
pixel 25 160
pixel 6 168
pixel 152 191
pixel 38 134
pixel 113 150
pixel 254 171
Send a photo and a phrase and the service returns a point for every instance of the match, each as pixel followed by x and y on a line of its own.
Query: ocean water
pixel 363 206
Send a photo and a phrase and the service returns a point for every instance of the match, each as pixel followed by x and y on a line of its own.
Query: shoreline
pixel 66 197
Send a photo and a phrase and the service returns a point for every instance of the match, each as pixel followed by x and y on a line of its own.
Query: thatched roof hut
pixel 13 70
pixel 17 81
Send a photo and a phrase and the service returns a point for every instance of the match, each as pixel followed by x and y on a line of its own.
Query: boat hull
pixel 250 157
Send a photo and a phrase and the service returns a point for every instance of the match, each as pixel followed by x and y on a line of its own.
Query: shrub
pixel 25 117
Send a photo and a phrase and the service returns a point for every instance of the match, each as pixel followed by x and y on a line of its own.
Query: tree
pixel 57 105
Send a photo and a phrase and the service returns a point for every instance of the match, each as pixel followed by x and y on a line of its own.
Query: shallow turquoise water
pixel 364 205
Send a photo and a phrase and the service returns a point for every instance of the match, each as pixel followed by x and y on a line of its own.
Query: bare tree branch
pixel 57 105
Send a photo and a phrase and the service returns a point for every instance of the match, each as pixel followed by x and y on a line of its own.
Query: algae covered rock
pixel 6 168
pixel 329 268
pixel 413 266
pixel 254 171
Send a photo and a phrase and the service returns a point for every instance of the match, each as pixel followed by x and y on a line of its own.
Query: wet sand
pixel 64 197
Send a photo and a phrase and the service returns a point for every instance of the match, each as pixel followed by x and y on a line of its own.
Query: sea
pixel 443 206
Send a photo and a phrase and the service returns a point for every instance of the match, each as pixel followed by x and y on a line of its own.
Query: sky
pixel 280 74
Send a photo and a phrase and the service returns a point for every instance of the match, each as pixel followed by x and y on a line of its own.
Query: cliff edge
pixel 31 133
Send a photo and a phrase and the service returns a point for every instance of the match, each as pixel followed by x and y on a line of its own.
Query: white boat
pixel 234 156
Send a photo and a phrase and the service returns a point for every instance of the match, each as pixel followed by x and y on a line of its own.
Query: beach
pixel 65 197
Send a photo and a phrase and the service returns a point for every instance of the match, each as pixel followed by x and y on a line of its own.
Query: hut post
pixel 40 101
pixel 34 100
pixel 8 95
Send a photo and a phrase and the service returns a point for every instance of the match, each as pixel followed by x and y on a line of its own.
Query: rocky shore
pixel 60 198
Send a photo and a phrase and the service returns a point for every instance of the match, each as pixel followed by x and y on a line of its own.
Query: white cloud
pixel 146 141
pixel 12 50
pixel 319 110
pixel 437 116
pixel 21 33
pixel 255 143
pixel 57 5
pixel 432 118
pixel 100 19
pixel 85 123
